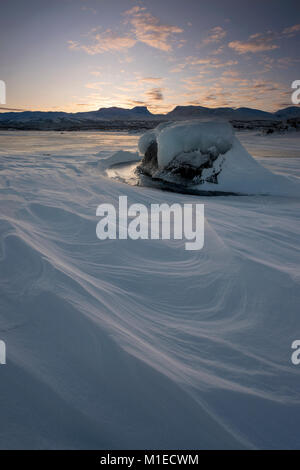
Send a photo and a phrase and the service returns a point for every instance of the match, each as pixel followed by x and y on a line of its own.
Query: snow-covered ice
pixel 142 344
pixel 180 138
pixel 121 156
pixel 208 157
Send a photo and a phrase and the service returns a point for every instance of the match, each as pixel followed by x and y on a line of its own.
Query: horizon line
pixel 19 110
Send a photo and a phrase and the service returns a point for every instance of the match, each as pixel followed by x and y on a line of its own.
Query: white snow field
pixel 142 344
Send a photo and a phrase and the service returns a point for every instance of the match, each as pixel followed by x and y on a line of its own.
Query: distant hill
pixel 113 113
pixel 137 117
pixel 242 114
pixel 139 112
pixel 288 113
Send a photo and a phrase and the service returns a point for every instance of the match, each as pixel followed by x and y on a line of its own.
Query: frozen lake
pixel 141 344
pixel 89 143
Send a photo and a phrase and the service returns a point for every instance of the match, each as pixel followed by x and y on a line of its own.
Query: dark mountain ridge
pixel 139 117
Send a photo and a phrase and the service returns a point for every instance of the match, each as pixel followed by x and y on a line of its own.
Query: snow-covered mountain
pixel 247 114
pixel 26 116
pixel 115 113
pixel 138 116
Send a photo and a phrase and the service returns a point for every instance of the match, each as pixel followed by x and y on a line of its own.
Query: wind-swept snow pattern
pixel 206 156
pixel 142 344
pixel 118 158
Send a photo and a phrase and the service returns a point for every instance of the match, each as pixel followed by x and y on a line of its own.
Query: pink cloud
pixel 215 35
pixel 256 43
pixel 291 30
pixel 104 42
pixel 149 30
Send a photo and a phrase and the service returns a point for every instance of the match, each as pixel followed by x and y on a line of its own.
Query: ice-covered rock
pixel 183 150
pixel 206 156
pixel 194 139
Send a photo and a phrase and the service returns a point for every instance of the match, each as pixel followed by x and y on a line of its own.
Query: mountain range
pixel 90 119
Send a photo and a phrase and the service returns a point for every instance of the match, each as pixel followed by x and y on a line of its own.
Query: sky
pixel 81 55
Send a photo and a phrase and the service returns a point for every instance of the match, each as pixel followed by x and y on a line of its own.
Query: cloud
pixel 96 73
pixel 212 62
pixel 136 103
pixel 104 42
pixel 155 94
pixel 144 28
pixel 233 77
pixel 256 43
pixel 149 80
pixel 89 9
pixel 126 60
pixel 178 68
pixel 291 30
pixel 231 74
pixel 264 86
pixel 218 51
pixel 261 42
pixel 267 63
pixel 11 109
pixel 286 62
pixel 231 88
pixel 95 85
pixel 135 10
pixel 205 64
pixel 192 84
pixel 149 30
pixel 215 35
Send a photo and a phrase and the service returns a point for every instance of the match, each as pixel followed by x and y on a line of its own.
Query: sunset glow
pixel 80 55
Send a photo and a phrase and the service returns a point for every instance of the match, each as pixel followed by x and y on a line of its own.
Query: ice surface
pixel 141 344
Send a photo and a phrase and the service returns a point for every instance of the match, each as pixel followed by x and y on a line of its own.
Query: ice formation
pixel 206 156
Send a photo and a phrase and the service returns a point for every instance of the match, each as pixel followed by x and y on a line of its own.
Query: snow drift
pixel 118 158
pixel 123 344
pixel 207 156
